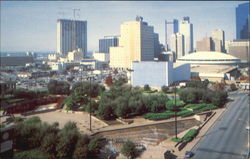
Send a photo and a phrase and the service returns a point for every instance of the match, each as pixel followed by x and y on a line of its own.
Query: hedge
pixel 190 135
pixel 159 116
pixel 185 113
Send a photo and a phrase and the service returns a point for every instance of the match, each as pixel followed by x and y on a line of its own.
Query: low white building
pixel 57 66
pixel 103 57
pixel 75 55
pixel 158 73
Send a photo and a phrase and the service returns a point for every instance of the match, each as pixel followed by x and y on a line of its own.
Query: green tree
pixel 81 150
pixel 68 137
pixel 94 147
pixel 58 87
pixel 128 149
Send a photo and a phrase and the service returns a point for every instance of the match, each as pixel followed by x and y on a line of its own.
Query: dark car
pixel 189 154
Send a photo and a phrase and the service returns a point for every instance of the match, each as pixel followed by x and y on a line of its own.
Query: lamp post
pixel 175 110
pixel 89 78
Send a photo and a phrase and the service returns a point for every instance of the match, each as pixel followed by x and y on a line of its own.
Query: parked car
pixel 189 154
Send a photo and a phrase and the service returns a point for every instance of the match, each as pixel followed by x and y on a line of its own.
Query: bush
pixel 94 146
pixel 176 139
pixel 128 149
pixel 190 135
pixel 81 149
pixel 31 154
pixel 159 116
pixel 185 113
pixel 170 104
pixel 58 87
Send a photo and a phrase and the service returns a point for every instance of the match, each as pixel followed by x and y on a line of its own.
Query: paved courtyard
pixel 81 119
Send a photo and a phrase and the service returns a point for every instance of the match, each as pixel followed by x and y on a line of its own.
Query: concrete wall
pixel 181 72
pixel 153 73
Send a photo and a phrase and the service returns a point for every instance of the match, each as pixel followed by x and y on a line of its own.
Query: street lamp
pixel 175 110
pixel 89 78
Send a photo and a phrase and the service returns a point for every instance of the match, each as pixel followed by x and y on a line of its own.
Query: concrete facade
pixel 107 42
pixel 135 44
pixel 71 35
pixel 186 28
pixel 155 74
pixel 240 49
pixel 158 73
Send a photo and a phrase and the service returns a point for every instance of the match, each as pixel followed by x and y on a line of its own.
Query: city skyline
pixel 31 26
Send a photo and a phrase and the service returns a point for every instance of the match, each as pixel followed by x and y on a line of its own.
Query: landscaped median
pixel 185 111
pixel 187 137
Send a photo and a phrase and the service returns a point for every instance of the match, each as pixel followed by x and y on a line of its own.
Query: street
pixel 228 138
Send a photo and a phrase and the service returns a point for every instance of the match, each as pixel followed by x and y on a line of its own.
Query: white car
pixel 248 127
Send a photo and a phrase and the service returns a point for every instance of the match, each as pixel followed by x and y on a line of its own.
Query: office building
pixel 242 21
pixel 219 35
pixel 240 49
pixel 107 42
pixel 135 44
pixel 157 47
pixel 204 45
pixel 171 27
pixel 216 45
pixel 177 45
pixel 71 35
pixel 186 28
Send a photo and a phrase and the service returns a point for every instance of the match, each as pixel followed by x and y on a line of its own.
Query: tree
pixel 164 89
pixel 68 137
pixel 58 87
pixel 94 146
pixel 128 149
pixel 146 87
pixel 105 111
pixel 81 150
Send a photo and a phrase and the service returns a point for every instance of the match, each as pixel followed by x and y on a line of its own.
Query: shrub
pixel 159 116
pixel 128 149
pixel 185 113
pixel 146 87
pixel 176 139
pixel 190 135
pixel 31 154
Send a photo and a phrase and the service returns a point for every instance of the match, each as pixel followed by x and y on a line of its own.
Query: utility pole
pixel 90 109
pixel 175 111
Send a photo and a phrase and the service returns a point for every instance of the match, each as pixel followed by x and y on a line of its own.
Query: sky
pixel 31 25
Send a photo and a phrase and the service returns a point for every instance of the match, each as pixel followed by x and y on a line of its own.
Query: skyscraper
pixel 204 45
pixel 135 44
pixel 242 21
pixel 171 27
pixel 219 35
pixel 71 35
pixel 177 45
pixel 186 28
pixel 107 42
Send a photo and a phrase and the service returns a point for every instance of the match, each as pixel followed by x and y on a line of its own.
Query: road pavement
pixel 228 138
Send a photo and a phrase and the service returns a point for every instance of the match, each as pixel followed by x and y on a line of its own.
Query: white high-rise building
pixel 219 35
pixel 135 44
pixel 186 28
pixel 177 45
pixel 71 35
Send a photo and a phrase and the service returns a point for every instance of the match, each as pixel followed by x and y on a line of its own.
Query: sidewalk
pixel 201 134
